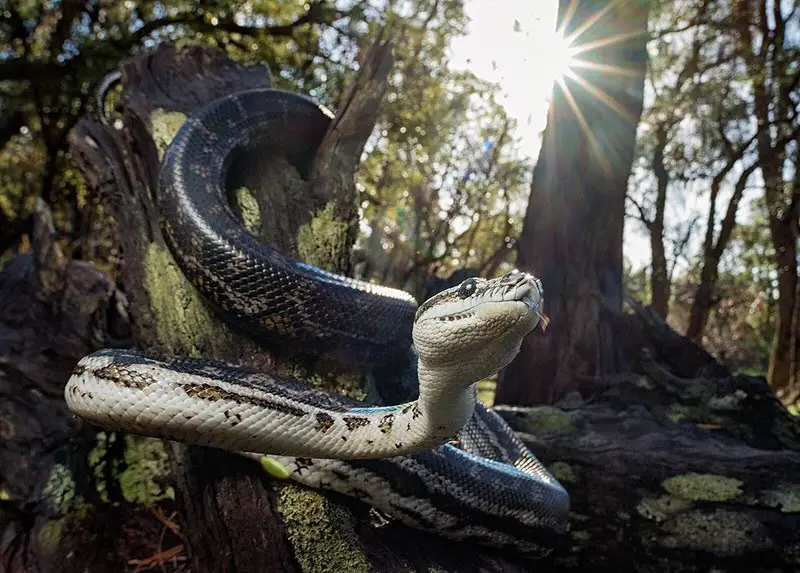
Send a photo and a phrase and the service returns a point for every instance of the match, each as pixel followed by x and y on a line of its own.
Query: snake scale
pixel 442 463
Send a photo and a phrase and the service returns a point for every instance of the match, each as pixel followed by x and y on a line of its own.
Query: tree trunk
pixel 56 490
pixel 572 233
pixel 659 276
pixel 784 375
pixel 784 370
pixel 713 250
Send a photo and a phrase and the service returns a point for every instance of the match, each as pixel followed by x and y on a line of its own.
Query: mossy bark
pixel 67 493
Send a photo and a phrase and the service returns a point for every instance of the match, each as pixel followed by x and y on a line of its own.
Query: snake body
pixel 489 489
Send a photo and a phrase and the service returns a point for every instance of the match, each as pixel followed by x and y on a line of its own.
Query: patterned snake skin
pixel 483 487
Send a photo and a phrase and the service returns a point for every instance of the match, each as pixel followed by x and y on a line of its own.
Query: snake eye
pixel 467 288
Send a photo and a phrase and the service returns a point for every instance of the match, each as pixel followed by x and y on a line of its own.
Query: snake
pixel 441 463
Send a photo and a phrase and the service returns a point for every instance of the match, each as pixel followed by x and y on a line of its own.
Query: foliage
pixel 442 183
pixel 53 54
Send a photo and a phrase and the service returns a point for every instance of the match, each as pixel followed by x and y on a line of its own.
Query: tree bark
pixel 659 275
pixel 767 61
pixel 572 233
pixel 52 517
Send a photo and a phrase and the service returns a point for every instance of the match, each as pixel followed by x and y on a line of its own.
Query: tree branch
pixel 642 214
pixel 729 221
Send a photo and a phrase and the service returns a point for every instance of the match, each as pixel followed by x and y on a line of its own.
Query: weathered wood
pixel 53 311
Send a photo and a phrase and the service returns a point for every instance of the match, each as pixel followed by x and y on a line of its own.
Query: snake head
pixel 477 327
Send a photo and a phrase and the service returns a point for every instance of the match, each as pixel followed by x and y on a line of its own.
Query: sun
pixel 564 57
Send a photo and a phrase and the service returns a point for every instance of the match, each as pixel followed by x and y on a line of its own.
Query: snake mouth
pixel 476 296
pixel 532 298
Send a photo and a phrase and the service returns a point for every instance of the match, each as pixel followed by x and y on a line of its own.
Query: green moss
pixel 786 497
pixel 61 498
pixel 563 472
pixel 146 471
pixel 49 537
pixel 59 491
pixel 544 419
pixel 165 126
pixel 703 487
pixel 321 241
pixel 677 413
pixel 325 376
pixel 141 474
pixel 321 533
pixel 662 508
pixel 248 207
pixel 184 324
pixel 722 532
pixel 580 536
pixel 99 462
pixel 348 384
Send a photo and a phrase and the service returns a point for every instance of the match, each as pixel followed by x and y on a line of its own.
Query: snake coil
pixel 490 489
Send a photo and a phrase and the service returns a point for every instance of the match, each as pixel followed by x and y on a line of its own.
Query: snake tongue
pixel 531 299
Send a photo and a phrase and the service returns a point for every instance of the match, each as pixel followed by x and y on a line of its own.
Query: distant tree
pixel 769 47
pixel 572 232
pixel 740 327
pixel 661 152
pixel 738 130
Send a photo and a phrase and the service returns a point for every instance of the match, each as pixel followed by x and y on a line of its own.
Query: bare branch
pixel 642 213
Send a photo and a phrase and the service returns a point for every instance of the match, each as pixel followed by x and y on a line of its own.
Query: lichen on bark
pixel 320 242
pixel 183 321
pixel 321 533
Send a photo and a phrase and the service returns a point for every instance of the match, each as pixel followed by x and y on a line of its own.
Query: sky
pixel 514 43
